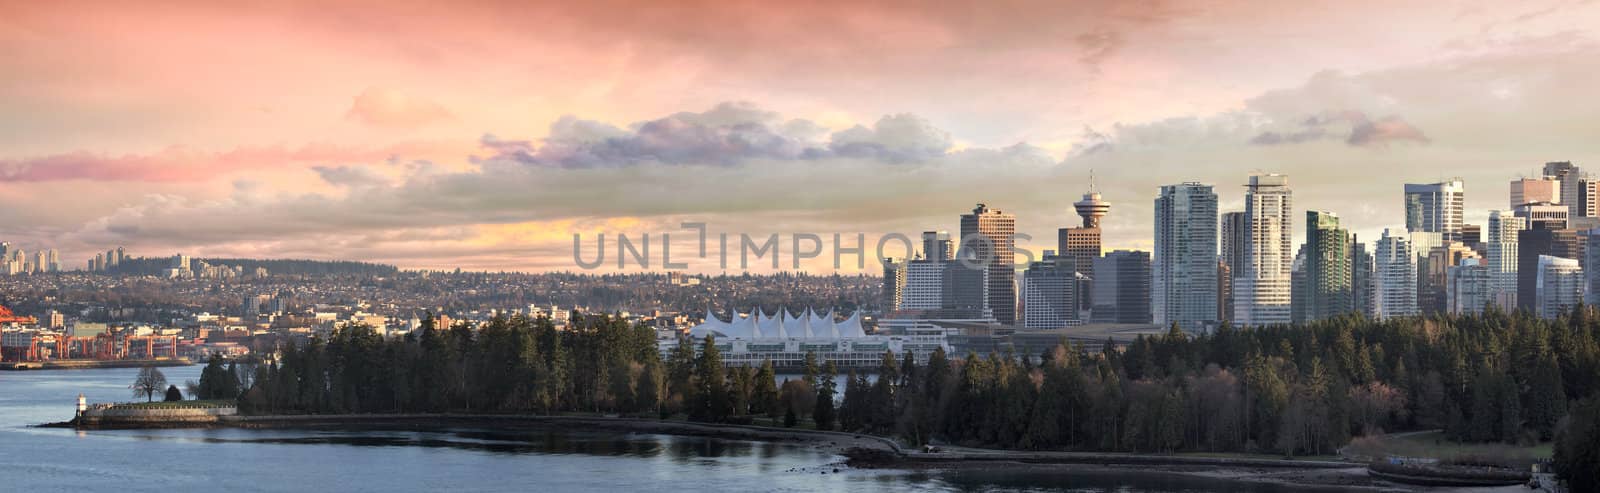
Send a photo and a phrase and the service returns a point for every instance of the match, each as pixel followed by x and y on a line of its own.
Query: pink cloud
pixel 385 107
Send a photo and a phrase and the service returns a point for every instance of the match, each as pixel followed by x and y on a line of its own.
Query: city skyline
pixel 454 136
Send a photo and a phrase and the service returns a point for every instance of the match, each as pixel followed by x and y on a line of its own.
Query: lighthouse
pixel 83 404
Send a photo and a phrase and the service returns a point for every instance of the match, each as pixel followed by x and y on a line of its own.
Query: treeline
pixel 1291 390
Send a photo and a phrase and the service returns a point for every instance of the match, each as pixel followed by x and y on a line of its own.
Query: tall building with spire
pixel 990 234
pixel 1183 272
pixel 1082 244
pixel 1263 284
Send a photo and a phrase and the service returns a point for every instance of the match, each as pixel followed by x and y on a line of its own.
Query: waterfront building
pixel 1262 284
pixel 1183 272
pixel 1082 244
pixel 747 340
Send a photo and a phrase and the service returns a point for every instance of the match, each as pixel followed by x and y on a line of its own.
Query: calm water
pixel 33 459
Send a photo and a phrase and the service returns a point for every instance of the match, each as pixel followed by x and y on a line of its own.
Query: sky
pixel 485 135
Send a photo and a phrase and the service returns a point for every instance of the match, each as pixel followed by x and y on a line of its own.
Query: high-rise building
pixel 1535 243
pixel 991 232
pixel 1394 277
pixel 111 259
pixel 1570 179
pixel 1361 275
pixel 1122 288
pixel 41 262
pixel 965 293
pixel 1327 267
pixel 1082 244
pixel 1433 275
pixel 1542 215
pixel 894 283
pixel 1235 235
pixel 1469 287
pixel 1262 285
pixel 54 261
pixel 1472 236
pixel 122 255
pixel 1436 207
pixel 1560 285
pixel 924 285
pixel 1591 267
pixel 1501 257
pixel 1049 294
pixel 1532 191
pixel 936 246
pixel 1183 273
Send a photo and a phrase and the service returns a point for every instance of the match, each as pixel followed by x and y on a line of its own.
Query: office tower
pixel 1049 293
pixel 5 250
pixel 1235 234
pixel 54 261
pixel 1122 288
pixel 1541 215
pixel 965 293
pixel 1262 284
pixel 1224 291
pixel 1394 277
pixel 990 233
pixel 1560 285
pixel 1570 180
pixel 1297 286
pixel 111 259
pixel 894 283
pixel 1501 249
pixel 181 263
pixel 1535 243
pixel 1433 272
pixel 936 246
pixel 1591 266
pixel 1361 288
pixel 1183 272
pixel 1327 267
pixel 924 285
pixel 122 255
pixel 1532 191
pixel 1435 207
pixel 41 262
pixel 1588 200
pixel 1469 287
pixel 1472 236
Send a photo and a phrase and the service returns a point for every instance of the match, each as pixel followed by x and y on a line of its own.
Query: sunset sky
pixel 483 135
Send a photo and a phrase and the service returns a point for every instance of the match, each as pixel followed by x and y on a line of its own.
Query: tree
pixel 1577 449
pixel 173 394
pixel 149 381
pixel 765 398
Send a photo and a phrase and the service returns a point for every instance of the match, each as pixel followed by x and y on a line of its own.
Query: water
pixel 38 459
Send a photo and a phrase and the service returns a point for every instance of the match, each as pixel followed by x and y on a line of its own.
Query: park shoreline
pixel 860 450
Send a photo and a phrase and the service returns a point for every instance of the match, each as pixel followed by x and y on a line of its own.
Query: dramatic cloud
pixel 391 108
pixel 1363 131
pixel 174 164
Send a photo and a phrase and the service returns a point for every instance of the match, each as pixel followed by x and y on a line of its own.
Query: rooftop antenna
pixel 1092 188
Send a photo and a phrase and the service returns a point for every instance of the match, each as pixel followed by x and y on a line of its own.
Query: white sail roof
pixel 758 325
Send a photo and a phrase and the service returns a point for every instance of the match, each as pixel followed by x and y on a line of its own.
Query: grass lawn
pixel 1435 445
